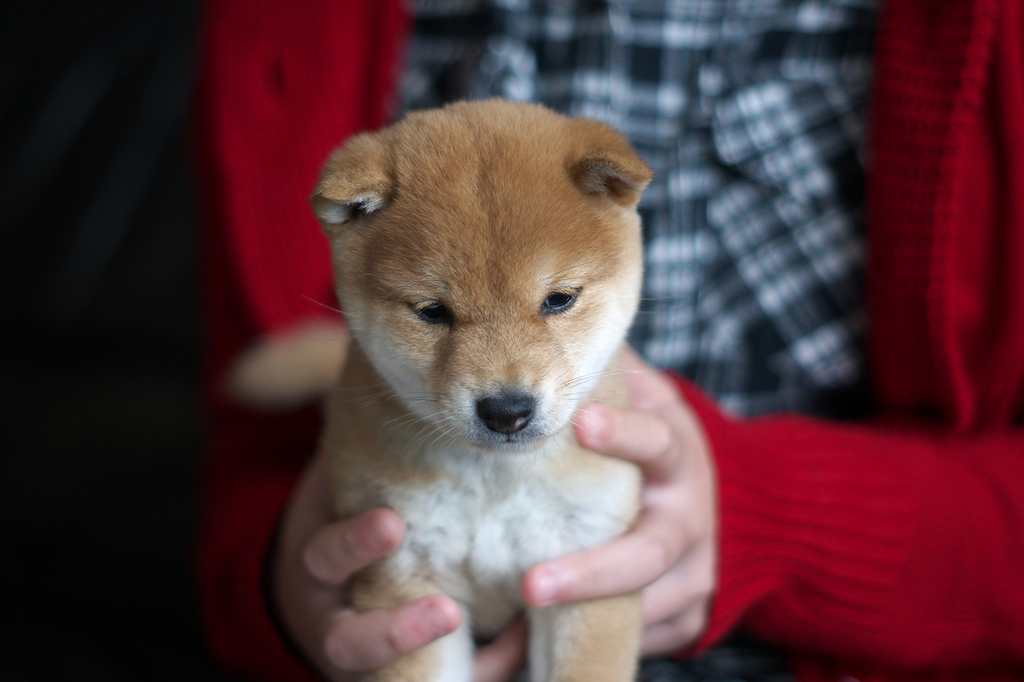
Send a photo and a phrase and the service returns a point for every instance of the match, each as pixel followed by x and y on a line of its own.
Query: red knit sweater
pixel 887 549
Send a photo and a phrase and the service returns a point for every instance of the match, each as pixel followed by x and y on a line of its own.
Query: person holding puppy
pixel 869 519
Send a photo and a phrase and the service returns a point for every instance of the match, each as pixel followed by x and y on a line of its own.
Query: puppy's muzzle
pixel 507 412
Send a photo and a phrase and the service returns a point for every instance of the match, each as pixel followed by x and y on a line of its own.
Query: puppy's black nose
pixel 506 412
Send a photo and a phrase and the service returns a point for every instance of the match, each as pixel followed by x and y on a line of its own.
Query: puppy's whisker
pixel 323 305
pixel 419 438
pixel 446 432
pixel 581 379
pixel 440 433
pixel 410 419
pixel 383 385
pixel 374 395
pixel 406 420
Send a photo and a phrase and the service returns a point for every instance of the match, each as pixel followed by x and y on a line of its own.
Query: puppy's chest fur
pixel 476 522
pixel 478 530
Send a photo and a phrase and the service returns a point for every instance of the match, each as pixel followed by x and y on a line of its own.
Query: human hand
pixel 671 550
pixel 315 557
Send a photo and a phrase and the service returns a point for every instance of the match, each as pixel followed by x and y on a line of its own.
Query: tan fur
pixel 372 590
pixel 596 639
pixel 285 371
pixel 491 210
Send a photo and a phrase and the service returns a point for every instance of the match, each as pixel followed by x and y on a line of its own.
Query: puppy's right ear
pixel 356 180
pixel 604 163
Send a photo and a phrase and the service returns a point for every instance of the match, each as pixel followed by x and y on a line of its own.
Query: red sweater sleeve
pixel 897 545
pixel 891 547
pixel 281 84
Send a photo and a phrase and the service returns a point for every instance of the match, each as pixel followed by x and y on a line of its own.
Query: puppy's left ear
pixel 357 180
pixel 606 164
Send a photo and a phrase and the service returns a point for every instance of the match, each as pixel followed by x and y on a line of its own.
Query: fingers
pixel 677 606
pixel 648 388
pixel 366 641
pixel 641 437
pixel 686 587
pixel 623 565
pixel 341 548
pixel 669 636
pixel 500 660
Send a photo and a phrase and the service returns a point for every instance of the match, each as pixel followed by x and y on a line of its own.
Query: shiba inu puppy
pixel 488 260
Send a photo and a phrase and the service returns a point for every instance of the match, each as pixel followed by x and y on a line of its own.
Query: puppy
pixel 488 260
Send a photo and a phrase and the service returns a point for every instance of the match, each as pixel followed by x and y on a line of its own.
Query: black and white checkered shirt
pixel 752 115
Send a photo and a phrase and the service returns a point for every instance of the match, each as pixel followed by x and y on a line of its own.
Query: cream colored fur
pixel 486 255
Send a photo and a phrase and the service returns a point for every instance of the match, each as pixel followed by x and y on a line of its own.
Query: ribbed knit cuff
pixel 811 535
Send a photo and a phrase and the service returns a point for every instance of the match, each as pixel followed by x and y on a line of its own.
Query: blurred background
pixel 100 423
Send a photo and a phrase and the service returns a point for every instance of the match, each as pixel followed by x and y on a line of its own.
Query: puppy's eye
pixel 434 313
pixel 559 302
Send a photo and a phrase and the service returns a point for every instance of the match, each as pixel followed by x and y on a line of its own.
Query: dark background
pixel 101 426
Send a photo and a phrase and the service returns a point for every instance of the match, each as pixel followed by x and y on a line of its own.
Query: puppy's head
pixel 488 259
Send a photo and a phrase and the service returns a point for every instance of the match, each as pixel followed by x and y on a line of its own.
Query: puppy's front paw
pixel 597 640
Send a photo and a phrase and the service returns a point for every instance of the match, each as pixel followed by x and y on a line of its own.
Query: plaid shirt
pixel 752 115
